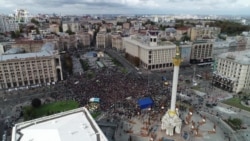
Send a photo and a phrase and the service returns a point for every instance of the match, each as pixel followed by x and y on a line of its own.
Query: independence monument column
pixel 171 120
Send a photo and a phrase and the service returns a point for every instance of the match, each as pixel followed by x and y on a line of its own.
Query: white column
pixel 174 87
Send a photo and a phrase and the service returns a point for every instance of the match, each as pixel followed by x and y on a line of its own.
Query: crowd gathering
pixel 110 85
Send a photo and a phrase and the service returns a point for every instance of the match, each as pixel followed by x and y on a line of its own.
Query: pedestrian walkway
pixel 137 129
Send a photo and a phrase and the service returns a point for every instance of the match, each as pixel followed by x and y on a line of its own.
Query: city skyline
pixel 80 7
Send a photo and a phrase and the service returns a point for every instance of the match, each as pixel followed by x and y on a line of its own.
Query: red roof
pixel 182 28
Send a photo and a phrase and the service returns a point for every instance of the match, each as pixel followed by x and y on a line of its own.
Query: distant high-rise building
pixel 21 16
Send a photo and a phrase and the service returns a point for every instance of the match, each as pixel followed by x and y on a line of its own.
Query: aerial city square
pixel 141 70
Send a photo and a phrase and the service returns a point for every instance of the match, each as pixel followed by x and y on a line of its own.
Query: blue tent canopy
pixel 145 102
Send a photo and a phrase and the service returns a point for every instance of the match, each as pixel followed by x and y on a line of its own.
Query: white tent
pixel 94 99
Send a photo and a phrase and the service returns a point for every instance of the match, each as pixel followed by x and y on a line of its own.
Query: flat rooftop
pixel 143 42
pixel 46 50
pixel 73 125
pixel 241 57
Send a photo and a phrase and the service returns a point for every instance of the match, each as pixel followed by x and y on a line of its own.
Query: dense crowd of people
pixel 110 85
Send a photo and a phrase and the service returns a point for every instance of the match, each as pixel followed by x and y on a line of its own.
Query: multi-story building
pixel 5 46
pixel 185 49
pixel 200 32
pixel 76 125
pixel 27 69
pixel 116 41
pixel 121 19
pixel 202 51
pixel 55 20
pixel 248 41
pixel 54 28
pixel 241 43
pixel 84 38
pixel 232 71
pixel 126 25
pixel 149 52
pixel 73 26
pixel 21 16
pixel 8 24
pixel 103 39
pixel 29 45
pixel 220 47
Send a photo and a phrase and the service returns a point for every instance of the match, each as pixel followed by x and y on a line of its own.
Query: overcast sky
pixel 79 7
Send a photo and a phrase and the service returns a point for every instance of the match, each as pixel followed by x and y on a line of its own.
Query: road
pixel 122 60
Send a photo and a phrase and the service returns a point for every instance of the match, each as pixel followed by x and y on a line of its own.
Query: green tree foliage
pixel 70 32
pixel 85 64
pixel 36 102
pixel 163 27
pixel 119 23
pixel 60 28
pixel 235 123
pixel 68 63
pixel 185 38
pixel 148 22
pixel 34 21
pixel 230 27
pixel 94 36
pixel 37 31
pixel 15 34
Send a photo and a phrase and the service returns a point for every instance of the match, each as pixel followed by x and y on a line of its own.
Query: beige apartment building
pixel 116 40
pixel 54 28
pixel 103 39
pixel 29 69
pixel 200 32
pixel 55 20
pixel 84 38
pixel 74 26
pixel 149 52
pixel 126 25
pixel 29 45
pixel 232 71
pixel 202 52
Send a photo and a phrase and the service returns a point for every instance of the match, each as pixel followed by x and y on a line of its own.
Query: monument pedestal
pixel 171 122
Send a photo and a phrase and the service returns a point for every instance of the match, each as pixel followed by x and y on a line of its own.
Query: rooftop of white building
pixel 144 42
pixel 46 50
pixel 241 57
pixel 73 125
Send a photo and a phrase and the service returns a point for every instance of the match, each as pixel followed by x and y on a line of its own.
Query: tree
pixel 36 102
pixel 13 34
pixel 70 32
pixel 60 28
pixel 68 63
pixel 34 21
pixel 185 38
pixel 37 31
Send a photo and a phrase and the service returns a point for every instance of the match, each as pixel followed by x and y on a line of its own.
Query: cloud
pixel 124 6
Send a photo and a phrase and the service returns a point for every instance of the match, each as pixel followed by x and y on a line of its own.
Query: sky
pixel 81 7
